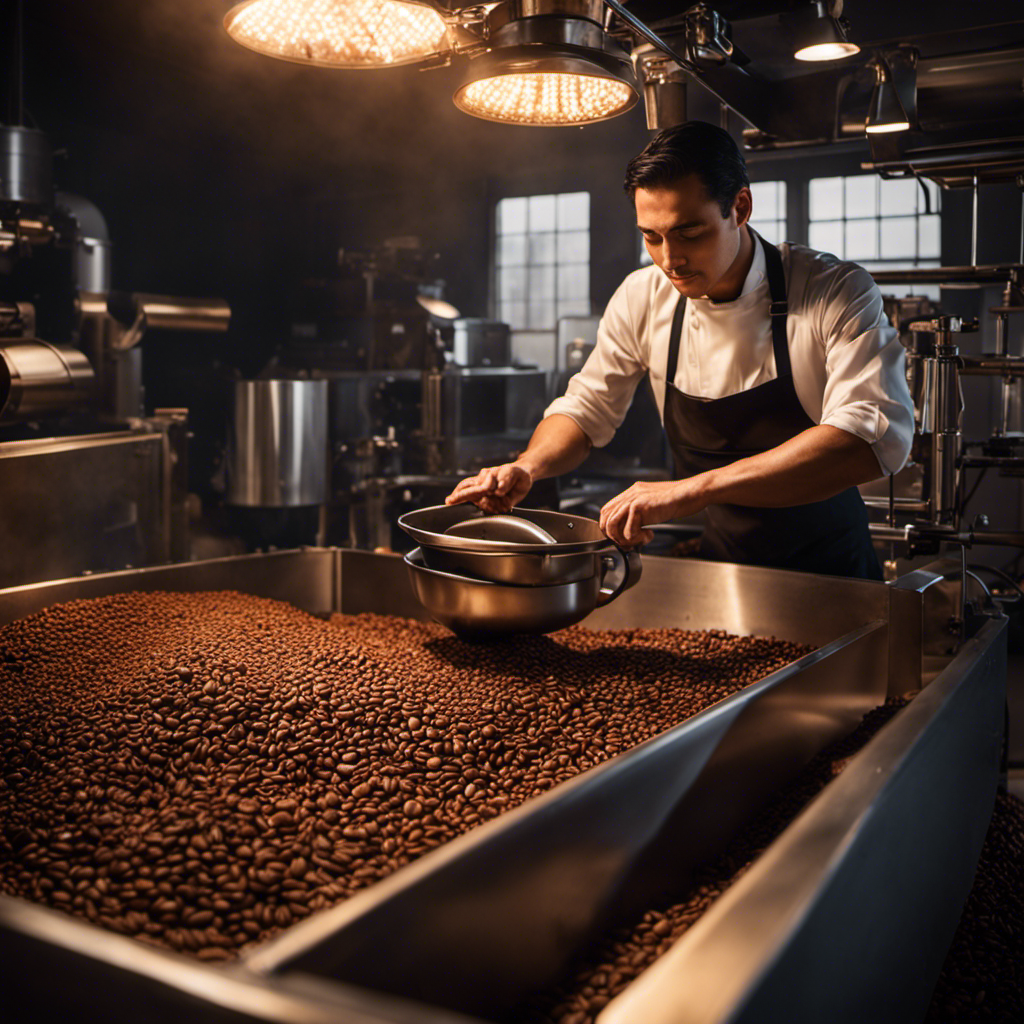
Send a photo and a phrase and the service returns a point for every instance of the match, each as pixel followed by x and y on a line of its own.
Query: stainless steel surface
pixel 848 916
pixel 108 977
pixel 592 9
pixel 277 443
pixel 501 529
pixel 90 503
pixel 26 166
pixel 482 608
pixel 173 312
pixel 522 570
pixel 308 578
pixel 481 342
pixel 572 534
pixel 38 379
pixel 501 908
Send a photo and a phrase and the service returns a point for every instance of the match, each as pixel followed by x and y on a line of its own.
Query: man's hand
pixel 496 489
pixel 624 517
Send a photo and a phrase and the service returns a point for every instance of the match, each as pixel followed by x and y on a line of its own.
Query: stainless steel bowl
pixel 572 534
pixel 529 570
pixel 477 608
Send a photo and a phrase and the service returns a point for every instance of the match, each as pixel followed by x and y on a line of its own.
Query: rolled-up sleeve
pixel 598 397
pixel 866 389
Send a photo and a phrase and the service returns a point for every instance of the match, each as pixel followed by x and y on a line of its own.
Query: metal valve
pixel 945 325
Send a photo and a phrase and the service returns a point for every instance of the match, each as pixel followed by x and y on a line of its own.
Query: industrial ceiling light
pixel 885 112
pixel 549 67
pixel 817 33
pixel 339 33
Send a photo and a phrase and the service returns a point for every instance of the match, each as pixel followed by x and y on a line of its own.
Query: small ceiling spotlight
pixel 888 110
pixel 549 67
pixel 339 33
pixel 817 32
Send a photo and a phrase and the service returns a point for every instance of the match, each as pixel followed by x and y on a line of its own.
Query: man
pixel 780 381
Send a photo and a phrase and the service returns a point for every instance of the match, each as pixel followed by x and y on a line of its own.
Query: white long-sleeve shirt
pixel 847 361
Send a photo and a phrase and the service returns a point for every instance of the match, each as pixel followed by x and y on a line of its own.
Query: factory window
pixel 769 216
pixel 880 224
pixel 542 259
pixel 769 219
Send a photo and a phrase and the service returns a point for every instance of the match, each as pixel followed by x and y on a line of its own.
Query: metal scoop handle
pixel 632 568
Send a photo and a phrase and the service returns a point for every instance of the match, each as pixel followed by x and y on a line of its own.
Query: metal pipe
pixel 992 366
pixel 974 224
pixel 993 274
pixel 1005 382
pixel 999 538
pixel 898 505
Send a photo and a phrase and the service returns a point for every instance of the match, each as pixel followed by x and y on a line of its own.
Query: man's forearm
pixel 557 446
pixel 816 464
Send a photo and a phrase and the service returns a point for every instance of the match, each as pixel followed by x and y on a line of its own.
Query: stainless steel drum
pixel 482 608
pixel 277 443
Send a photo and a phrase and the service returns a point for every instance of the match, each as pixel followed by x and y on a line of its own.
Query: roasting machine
pixel 846 917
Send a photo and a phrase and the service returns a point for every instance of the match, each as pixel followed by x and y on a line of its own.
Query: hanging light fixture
pixel 547 66
pixel 885 111
pixel 339 33
pixel 818 34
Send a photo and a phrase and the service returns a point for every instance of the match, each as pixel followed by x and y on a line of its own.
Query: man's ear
pixel 743 206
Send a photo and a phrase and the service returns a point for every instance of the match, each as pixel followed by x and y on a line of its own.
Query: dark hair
pixel 693 147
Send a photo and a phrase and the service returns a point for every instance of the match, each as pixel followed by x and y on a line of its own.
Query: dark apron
pixel 829 537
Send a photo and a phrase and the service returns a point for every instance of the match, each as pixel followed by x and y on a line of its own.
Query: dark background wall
pixel 221 172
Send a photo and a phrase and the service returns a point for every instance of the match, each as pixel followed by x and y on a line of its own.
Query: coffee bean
pixel 218 766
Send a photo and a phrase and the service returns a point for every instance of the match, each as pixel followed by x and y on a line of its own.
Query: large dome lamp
pixel 552 64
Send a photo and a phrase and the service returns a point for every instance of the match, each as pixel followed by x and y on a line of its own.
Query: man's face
pixel 687 236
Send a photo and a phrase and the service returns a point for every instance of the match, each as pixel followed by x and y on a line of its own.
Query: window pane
pixel 900 196
pixel 511 216
pixel 542 213
pixel 861 239
pixel 574 247
pixel 574 211
pixel 861 193
pixel 773 231
pixel 542 249
pixel 542 283
pixel 513 314
pixel 573 307
pixel 827 235
pixel 512 284
pixel 511 250
pixel 929 239
pixel 935 193
pixel 766 199
pixel 826 199
pixel 899 237
pixel 540 314
pixel 574 282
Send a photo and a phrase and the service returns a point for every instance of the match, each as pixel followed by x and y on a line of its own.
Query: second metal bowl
pixel 478 608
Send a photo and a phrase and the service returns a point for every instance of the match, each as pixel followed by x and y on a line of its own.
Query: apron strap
pixel 777 311
pixel 673 340
pixel 777 307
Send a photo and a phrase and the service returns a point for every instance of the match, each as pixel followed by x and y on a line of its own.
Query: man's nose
pixel 672 255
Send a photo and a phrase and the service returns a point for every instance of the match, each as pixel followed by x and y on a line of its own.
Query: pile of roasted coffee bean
pixel 628 951
pixel 983 976
pixel 202 770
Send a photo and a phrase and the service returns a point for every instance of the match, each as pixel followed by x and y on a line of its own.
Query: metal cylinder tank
pixel 277 443
pixel 39 379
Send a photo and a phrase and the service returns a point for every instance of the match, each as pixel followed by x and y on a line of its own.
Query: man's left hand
pixel 624 517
